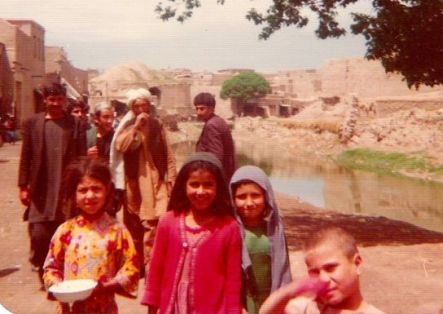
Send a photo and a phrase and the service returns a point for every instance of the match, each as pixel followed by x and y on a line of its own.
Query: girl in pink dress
pixel 91 244
pixel 196 261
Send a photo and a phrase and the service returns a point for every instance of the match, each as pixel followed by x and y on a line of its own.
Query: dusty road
pixel 403 265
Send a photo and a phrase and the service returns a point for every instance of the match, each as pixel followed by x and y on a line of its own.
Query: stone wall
pixel 357 76
pixel 176 97
pixel 385 107
pixel 365 79
pixel 296 83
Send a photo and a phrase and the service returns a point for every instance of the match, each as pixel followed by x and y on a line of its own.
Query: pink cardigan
pixel 215 272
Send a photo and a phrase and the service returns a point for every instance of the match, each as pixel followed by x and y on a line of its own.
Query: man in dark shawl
pixel 51 139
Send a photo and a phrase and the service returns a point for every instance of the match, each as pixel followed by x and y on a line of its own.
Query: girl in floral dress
pixel 91 244
pixel 195 266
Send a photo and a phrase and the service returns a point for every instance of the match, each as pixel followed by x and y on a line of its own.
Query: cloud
pixel 102 33
pixel 104 20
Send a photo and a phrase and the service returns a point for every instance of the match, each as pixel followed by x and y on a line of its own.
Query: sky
pixel 99 34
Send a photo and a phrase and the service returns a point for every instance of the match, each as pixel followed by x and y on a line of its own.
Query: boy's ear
pixel 358 261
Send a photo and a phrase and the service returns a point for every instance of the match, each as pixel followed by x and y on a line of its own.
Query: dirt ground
pixel 403 264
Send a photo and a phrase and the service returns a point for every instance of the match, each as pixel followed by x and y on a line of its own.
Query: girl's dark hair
pixel 179 201
pixel 72 176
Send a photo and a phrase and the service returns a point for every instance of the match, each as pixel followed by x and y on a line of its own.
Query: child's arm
pixel 153 285
pixel 125 281
pixel 277 301
pixel 111 286
pixel 55 260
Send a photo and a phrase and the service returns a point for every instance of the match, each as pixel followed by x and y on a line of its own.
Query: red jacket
pixel 217 267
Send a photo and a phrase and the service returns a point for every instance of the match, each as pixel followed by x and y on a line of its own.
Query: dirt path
pixel 403 271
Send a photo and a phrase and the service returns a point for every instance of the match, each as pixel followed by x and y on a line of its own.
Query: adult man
pixel 143 163
pixel 216 136
pixel 51 140
pixel 99 137
pixel 77 108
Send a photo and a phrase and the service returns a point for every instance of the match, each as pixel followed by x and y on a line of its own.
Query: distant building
pixel 32 65
pixel 59 69
pixel 24 45
pixel 6 83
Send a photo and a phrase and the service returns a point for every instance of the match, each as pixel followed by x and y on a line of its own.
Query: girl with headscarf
pixel 265 261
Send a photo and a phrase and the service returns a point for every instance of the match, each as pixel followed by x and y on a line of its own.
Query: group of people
pixel 208 239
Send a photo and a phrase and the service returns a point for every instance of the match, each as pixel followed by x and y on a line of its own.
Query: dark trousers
pixel 41 234
pixel 143 237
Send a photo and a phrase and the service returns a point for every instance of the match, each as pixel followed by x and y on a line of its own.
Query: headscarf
pixel 280 270
pixel 205 156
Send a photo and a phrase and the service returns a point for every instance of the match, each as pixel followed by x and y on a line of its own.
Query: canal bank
pixel 298 170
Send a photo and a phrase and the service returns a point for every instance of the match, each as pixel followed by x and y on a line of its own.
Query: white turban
pixel 134 94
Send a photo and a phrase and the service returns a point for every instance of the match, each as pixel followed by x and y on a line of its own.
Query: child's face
pixel 91 196
pixel 201 189
pixel 250 201
pixel 331 265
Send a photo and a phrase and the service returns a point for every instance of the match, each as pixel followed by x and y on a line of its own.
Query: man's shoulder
pixel 35 117
pixel 217 122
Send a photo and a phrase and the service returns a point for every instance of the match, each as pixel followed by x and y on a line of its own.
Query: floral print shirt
pixel 102 250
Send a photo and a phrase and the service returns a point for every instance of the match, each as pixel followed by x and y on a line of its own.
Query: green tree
pixel 245 87
pixel 406 36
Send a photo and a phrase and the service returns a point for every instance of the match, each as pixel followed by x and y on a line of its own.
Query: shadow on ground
pixel 368 231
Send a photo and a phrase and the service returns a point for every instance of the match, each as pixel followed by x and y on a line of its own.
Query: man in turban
pixel 143 164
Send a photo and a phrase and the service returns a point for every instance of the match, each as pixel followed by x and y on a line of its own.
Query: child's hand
pixel 98 290
pixel 103 288
pixel 311 286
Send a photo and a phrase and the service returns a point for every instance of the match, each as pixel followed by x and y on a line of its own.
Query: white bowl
pixel 73 290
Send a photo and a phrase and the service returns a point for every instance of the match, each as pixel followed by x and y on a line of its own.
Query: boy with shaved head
pixel 333 284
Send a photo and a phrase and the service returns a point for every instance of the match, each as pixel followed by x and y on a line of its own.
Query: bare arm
pixel 278 300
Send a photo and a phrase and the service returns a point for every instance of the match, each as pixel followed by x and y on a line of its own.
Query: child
pixel 92 244
pixel 195 266
pixel 333 285
pixel 265 256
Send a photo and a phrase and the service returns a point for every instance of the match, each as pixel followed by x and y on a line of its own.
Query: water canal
pixel 325 184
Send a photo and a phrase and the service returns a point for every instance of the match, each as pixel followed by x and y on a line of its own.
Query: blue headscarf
pixel 281 272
